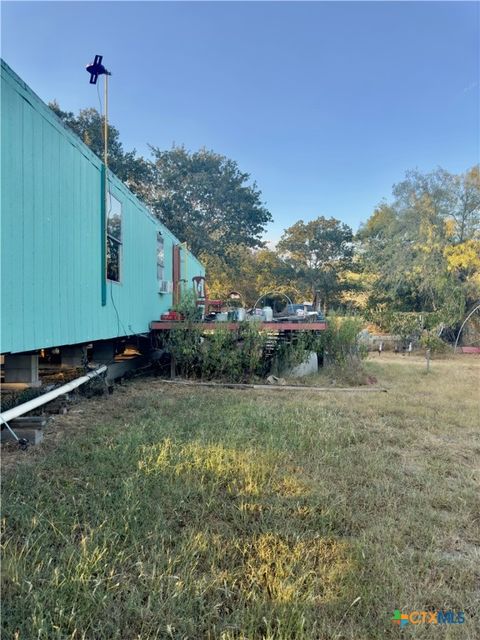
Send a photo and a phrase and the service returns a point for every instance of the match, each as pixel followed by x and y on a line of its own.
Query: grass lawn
pixel 169 512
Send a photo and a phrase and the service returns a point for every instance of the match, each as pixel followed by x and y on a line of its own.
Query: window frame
pixel 110 238
pixel 160 264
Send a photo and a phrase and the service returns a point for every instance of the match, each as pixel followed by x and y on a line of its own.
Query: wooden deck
pixel 158 325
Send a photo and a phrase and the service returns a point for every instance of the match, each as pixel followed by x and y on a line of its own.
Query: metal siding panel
pixel 62 225
pixel 67 243
pixel 51 269
pixel 64 296
pixel 53 247
pixel 95 253
pixel 28 231
pixel 86 274
pixel 75 255
pixel 12 196
pixel 39 274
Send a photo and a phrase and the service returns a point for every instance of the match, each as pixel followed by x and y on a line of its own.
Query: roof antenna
pixel 96 69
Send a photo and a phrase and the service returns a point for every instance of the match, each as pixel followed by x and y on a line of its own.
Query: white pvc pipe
pixel 18 411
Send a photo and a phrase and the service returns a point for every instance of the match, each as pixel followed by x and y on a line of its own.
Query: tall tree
pixel 421 247
pixel 206 200
pixel 444 195
pixel 318 252
pixel 465 204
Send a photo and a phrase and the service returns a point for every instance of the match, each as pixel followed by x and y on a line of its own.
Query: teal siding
pixel 51 249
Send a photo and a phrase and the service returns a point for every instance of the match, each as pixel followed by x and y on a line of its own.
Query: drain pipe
pixel 21 409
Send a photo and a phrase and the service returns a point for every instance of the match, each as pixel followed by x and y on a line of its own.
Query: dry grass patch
pixel 167 512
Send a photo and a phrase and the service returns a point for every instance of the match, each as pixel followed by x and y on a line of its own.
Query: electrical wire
pixel 99 99
pixel 119 321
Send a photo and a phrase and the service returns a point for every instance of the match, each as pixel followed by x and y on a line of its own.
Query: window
pixel 114 238
pixel 160 257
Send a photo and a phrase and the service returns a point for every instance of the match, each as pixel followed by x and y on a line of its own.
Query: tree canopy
pixel 206 200
pixel 422 248
pixel 318 252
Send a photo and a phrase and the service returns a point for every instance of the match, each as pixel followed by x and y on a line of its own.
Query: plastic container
pixel 268 314
pixel 241 314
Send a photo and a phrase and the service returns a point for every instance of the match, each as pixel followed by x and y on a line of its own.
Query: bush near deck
pixel 250 354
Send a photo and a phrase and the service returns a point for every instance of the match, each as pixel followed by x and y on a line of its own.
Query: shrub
pixel 430 340
pixel 408 325
pixel 236 356
pixel 249 353
pixel 340 343
pixel 187 307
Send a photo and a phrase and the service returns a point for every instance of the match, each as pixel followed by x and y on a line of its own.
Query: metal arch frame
pixel 278 293
pixel 476 308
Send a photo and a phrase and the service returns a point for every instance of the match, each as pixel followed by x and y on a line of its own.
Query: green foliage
pixel 409 326
pixel 419 250
pixel 293 352
pixel 187 307
pixel 184 344
pixel 235 356
pixel 317 252
pixel 430 340
pixel 220 354
pixel 252 272
pixel 406 325
pixel 205 200
pixel 340 342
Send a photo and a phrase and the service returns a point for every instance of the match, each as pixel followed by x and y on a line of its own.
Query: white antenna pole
pixel 96 69
pixel 105 122
pixel 105 160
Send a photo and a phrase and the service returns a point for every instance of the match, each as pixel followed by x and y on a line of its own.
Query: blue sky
pixel 325 104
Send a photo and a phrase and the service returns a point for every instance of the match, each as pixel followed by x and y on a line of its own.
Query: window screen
pixel 160 257
pixel 114 238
